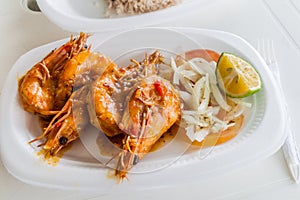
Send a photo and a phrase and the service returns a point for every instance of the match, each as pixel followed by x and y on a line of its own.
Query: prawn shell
pixel 101 106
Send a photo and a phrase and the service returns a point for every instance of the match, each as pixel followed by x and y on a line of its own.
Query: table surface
pixel 279 20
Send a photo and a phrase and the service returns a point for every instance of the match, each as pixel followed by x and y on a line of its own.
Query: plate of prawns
pixel 133 110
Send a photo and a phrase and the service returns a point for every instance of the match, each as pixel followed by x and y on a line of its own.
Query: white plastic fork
pixel 289 148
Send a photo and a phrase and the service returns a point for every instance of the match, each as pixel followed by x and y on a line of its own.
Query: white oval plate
pixel 260 137
pixel 88 15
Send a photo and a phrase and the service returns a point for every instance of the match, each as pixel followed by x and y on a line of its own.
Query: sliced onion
pixel 235 112
pixel 219 97
pixel 206 96
pixel 191 119
pixel 241 102
pixel 186 84
pixel 196 68
pixel 198 90
pixel 176 75
pixel 205 67
pixel 186 97
pixel 190 112
pixel 201 134
pixel 190 132
pixel 190 74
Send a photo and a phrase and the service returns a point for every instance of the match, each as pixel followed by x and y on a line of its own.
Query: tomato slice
pixel 207 54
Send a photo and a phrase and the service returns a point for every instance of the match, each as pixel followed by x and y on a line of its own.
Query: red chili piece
pixel 58 124
pixel 159 88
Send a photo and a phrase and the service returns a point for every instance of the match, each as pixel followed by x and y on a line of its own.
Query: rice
pixel 120 7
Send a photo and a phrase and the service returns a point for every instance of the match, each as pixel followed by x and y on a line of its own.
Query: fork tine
pixel 261 48
pixel 266 49
pixel 273 54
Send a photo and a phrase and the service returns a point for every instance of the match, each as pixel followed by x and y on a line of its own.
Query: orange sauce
pixel 166 138
pixel 53 160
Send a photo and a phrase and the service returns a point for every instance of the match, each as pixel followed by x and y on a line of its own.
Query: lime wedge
pixel 237 76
